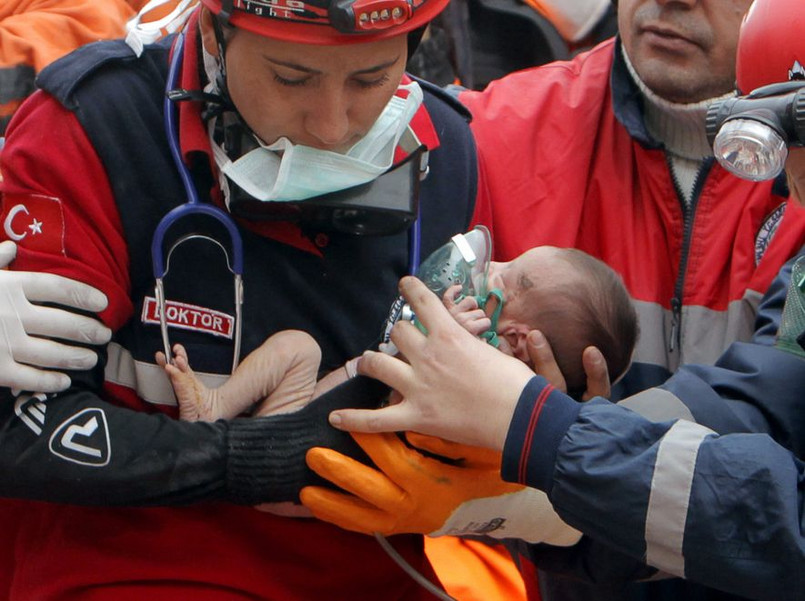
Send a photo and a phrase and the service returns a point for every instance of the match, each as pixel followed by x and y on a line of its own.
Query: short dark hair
pixel 595 310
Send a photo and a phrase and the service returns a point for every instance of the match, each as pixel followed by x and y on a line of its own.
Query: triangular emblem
pixel 797 72
pixel 83 439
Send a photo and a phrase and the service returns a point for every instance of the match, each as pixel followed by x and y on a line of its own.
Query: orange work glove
pixel 412 493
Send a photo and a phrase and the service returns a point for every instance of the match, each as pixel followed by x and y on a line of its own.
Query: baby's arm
pixel 337 376
pixel 466 311
pixel 287 365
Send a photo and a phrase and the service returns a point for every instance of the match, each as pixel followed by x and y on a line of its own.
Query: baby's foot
pixel 195 402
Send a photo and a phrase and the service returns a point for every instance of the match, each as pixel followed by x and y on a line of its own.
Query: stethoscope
pixel 194 206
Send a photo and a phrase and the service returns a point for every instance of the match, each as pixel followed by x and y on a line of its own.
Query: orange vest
pixel 37 32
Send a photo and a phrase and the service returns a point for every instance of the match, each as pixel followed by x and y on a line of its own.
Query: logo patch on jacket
pixel 189 317
pixel 34 222
pixel 83 438
pixel 766 232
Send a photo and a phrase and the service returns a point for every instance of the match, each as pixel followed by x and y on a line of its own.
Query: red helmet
pixel 330 22
pixel 771 46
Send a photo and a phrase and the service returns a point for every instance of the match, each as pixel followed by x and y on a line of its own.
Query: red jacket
pixel 34 33
pixel 558 166
pixel 94 219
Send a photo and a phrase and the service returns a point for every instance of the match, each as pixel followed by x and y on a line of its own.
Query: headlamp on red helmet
pixel 350 16
pixel 751 134
pixel 327 22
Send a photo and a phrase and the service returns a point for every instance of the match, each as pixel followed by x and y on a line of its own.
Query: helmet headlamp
pixel 327 21
pixel 751 134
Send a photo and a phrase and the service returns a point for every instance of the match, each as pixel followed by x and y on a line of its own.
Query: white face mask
pixel 284 171
pixel 142 30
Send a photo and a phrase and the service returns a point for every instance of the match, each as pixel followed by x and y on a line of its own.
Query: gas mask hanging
pixel 464 262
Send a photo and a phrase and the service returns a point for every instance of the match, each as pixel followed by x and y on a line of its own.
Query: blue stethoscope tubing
pixel 194 206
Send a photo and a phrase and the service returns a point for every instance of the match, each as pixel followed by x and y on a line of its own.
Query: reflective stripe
pixel 670 496
pixel 658 405
pixel 148 380
pixel 706 333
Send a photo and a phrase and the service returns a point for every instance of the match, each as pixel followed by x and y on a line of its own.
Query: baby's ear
pixel 515 335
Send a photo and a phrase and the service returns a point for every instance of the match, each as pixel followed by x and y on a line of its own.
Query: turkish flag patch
pixel 34 221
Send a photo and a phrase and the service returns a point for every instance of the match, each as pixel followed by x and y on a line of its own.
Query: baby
pixel 575 300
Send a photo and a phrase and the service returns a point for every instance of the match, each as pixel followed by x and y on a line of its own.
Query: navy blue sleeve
pixel 724 511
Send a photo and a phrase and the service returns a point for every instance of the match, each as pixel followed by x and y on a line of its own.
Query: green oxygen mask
pixel 791 336
pixel 464 261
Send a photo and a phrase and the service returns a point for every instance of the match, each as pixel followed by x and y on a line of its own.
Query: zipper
pixel 689 215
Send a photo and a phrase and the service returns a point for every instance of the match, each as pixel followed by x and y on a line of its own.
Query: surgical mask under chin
pixel 284 171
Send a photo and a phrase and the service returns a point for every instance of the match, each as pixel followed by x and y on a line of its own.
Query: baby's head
pixel 575 300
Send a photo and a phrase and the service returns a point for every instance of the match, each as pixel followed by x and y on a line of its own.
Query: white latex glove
pixel 26 327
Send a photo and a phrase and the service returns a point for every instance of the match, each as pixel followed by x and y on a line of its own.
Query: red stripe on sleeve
pixel 532 425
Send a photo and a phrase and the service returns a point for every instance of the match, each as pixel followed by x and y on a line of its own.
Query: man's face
pixel 684 50
pixel 326 97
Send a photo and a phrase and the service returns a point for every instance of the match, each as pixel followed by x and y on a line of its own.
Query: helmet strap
pixel 226 11
pixel 414 38
pixel 218 25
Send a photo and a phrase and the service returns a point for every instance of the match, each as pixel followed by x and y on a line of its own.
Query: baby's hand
pixel 466 311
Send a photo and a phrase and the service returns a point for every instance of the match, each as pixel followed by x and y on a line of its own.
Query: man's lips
pixel 667 37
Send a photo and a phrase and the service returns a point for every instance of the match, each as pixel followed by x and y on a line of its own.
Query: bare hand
pixel 545 365
pixel 456 386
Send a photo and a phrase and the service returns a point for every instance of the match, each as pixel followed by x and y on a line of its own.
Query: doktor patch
pixel 189 317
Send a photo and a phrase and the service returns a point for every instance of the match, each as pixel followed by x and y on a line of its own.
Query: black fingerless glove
pixel 266 455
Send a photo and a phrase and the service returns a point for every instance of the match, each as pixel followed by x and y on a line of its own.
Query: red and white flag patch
pixel 34 221
pixel 190 317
